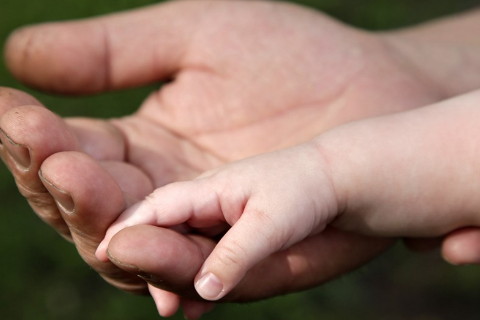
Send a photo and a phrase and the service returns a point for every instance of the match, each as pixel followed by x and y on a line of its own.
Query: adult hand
pixel 248 77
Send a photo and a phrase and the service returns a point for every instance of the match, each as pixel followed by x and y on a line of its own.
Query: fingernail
pixel 63 199
pixel 19 153
pixel 149 277
pixel 209 287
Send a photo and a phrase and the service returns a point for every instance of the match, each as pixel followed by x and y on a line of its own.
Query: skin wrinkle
pixel 28 191
pixel 25 53
pixel 126 148
pixel 114 276
pixel 341 204
pixel 403 59
pixel 145 169
pixel 183 57
pixel 107 57
pixel 336 95
pixel 185 140
pixel 114 123
pixel 97 148
pixel 278 114
pixel 42 200
pixel 47 207
pixel 132 285
pixel 466 59
pixel 257 123
pixel 49 213
pixel 224 208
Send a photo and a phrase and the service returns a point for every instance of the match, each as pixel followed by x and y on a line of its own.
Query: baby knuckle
pixel 232 254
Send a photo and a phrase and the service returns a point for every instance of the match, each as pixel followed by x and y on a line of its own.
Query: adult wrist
pixel 445 52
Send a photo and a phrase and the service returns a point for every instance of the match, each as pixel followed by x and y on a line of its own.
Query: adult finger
pixel 462 246
pixel 29 134
pixel 11 98
pixel 105 53
pixel 89 198
pixel 167 303
pixel 309 263
pixel 98 138
pixel 162 266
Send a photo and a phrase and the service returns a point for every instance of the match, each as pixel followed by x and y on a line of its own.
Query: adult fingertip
pixel 13 46
pixel 17 51
pixel 74 53
pixel 167 303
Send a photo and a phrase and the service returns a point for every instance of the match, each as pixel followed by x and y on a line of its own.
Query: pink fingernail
pixel 209 287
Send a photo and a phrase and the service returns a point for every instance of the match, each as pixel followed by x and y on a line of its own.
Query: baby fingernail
pixel 64 199
pixel 19 153
pixel 209 287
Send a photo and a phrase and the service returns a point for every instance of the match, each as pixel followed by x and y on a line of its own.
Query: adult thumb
pixel 104 53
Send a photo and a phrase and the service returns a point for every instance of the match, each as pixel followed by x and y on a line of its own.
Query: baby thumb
pixel 248 242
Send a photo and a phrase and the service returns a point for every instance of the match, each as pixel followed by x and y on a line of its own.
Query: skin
pixel 270 201
pixel 411 174
pixel 225 93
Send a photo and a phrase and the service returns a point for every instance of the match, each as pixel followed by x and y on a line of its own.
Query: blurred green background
pixel 41 276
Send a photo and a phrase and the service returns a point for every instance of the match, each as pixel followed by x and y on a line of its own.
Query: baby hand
pixel 270 201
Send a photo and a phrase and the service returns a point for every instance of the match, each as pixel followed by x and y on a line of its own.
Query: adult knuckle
pixel 41 202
